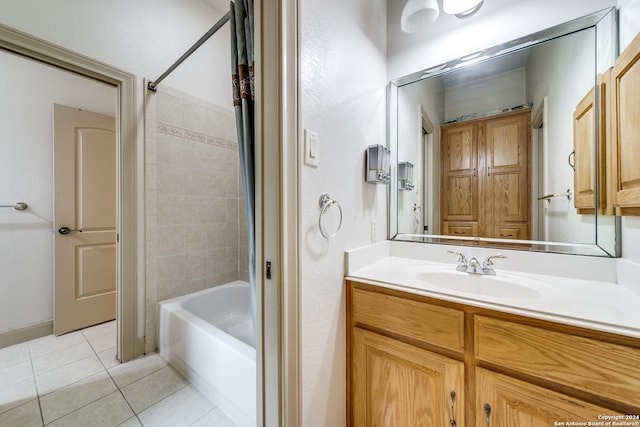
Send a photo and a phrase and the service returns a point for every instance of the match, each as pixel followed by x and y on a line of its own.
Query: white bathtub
pixel 208 336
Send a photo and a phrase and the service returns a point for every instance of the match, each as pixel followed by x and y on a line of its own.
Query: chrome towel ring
pixel 325 203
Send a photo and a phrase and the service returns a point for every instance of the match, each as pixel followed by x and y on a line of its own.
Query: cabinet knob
pixel 487 413
pixel 452 423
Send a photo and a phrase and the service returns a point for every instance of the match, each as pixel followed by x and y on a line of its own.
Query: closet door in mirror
pixel 507 182
pixel 459 190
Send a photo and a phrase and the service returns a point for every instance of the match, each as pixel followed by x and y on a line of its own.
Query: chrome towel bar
pixel 548 197
pixel 19 206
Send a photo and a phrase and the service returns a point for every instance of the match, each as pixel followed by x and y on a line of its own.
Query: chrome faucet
pixel 462 261
pixel 473 266
pixel 488 264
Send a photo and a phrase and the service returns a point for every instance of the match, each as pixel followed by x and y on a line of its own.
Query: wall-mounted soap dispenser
pixel 405 176
pixel 377 165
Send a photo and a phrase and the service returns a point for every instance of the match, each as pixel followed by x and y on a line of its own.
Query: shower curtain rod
pixel 153 86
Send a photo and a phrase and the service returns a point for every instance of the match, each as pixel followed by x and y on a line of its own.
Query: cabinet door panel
pixel 508 194
pixel 506 187
pixel 598 367
pixel 459 157
pixel 584 176
pixel 461 149
pixel 517 403
pixel 395 384
pixel 626 128
pixel 460 198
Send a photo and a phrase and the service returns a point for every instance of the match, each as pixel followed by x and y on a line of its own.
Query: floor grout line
pixel 102 368
pixel 35 383
pixel 75 382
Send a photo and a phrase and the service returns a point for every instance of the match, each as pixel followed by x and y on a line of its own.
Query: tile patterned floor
pixel 75 380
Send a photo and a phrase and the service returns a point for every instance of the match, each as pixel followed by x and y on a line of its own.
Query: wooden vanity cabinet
pixel 488 156
pixel 399 384
pixel 407 352
pixel 503 401
pixel 625 126
pixel 405 364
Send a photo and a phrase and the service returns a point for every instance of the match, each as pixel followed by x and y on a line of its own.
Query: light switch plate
pixel 311 148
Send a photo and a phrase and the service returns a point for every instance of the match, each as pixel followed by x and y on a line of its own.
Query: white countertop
pixel 598 305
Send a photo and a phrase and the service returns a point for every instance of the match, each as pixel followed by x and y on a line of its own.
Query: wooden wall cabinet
pixel 406 353
pixel 591 177
pixel 487 156
pixel 459 183
pixel 625 126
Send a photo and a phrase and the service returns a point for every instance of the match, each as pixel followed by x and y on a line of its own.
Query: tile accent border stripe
pixel 196 136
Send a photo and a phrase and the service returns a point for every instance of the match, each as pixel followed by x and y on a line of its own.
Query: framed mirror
pixel 489 140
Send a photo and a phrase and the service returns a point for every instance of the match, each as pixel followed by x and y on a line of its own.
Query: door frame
pixel 539 163
pixel 426 130
pixel 278 178
pixel 128 346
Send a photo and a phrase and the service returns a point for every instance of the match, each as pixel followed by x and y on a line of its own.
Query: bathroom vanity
pixel 507 350
pixel 552 339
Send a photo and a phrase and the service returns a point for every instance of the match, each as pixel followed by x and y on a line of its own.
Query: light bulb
pixel 454 7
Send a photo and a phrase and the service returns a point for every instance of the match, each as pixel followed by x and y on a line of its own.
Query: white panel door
pixel 84 218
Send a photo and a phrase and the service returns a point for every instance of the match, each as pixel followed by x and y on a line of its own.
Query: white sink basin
pixel 507 287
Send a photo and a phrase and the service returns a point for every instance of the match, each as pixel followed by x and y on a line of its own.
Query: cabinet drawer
pixel 466 229
pixel 429 323
pixel 602 368
pixel 513 231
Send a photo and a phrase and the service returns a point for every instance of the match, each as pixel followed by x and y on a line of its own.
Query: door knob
pixel 67 230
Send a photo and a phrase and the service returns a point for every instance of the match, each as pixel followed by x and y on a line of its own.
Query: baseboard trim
pixel 16 336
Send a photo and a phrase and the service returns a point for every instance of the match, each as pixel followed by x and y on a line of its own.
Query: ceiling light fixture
pixel 417 14
pixel 461 8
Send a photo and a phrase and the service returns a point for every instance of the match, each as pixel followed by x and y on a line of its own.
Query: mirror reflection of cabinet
pixel 488 157
pixel 625 125
pixel 590 178
pixel 459 192
pixel 584 161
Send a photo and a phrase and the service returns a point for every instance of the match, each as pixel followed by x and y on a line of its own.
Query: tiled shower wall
pixel 196 233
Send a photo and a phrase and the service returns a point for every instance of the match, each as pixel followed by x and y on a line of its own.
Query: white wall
pixel 28 91
pixel 498 21
pixel 342 72
pixel 342 97
pixel 140 37
pixel 563 71
pixel 429 94
pixel 504 90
